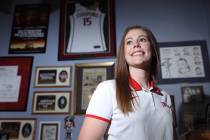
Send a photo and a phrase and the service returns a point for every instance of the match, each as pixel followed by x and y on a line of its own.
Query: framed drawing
pixel 87 77
pixel 192 94
pixel 14 82
pixel 51 102
pixel 184 62
pixel 29 30
pixel 87 29
pixel 49 130
pixel 53 76
pixel 18 129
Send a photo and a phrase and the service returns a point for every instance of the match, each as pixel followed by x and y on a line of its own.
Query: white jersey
pixel 86 33
pixel 151 120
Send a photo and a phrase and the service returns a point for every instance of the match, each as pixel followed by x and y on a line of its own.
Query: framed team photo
pixel 184 62
pixel 87 77
pixel 51 102
pixel 29 30
pixel 87 29
pixel 17 128
pixel 53 76
pixel 49 130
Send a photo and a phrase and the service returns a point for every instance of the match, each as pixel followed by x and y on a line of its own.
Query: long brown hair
pixel 123 90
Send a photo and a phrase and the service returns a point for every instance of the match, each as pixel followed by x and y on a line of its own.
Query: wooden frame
pixel 18 128
pixel 51 102
pixel 87 77
pixel 185 61
pixel 15 75
pixel 49 130
pixel 192 94
pixel 92 34
pixel 53 76
pixel 30 28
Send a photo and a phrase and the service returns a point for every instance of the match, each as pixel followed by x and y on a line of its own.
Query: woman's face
pixel 137 49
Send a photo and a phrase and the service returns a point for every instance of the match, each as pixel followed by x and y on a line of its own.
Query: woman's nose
pixel 137 44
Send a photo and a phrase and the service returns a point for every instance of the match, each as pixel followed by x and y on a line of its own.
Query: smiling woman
pixel 135 107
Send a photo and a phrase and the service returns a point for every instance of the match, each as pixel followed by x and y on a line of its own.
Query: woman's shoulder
pixel 108 83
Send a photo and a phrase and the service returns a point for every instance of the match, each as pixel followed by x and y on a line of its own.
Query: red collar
pixel 137 87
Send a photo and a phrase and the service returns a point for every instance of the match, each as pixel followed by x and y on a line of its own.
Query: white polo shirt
pixel 151 120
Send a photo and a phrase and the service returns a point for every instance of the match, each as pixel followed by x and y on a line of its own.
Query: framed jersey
pixel 86 29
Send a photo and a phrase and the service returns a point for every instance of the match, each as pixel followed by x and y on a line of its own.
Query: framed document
pixel 87 29
pixel 18 128
pixel 53 76
pixel 49 130
pixel 51 102
pixel 87 77
pixel 184 62
pixel 15 73
pixel 29 30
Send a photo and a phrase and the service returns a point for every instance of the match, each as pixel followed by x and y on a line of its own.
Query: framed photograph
pixel 29 30
pixel 87 29
pixel 15 73
pixel 53 76
pixel 49 130
pixel 184 62
pixel 17 129
pixel 192 94
pixel 51 102
pixel 87 77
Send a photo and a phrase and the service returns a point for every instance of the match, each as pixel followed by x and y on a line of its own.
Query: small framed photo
pixel 185 61
pixel 49 130
pixel 53 76
pixel 17 129
pixel 15 73
pixel 87 29
pixel 87 77
pixel 51 102
pixel 192 94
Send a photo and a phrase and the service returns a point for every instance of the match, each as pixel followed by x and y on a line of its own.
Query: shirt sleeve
pixel 100 105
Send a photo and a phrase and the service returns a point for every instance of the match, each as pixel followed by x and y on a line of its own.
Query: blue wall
pixel 177 20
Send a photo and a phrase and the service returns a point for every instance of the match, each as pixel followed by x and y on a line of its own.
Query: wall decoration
pixel 49 130
pixel 69 124
pixel 184 62
pixel 87 29
pixel 192 94
pixel 53 76
pixel 51 102
pixel 87 77
pixel 18 128
pixel 29 30
pixel 14 82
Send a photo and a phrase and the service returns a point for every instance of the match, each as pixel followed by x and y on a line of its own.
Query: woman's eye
pixel 129 42
pixel 142 39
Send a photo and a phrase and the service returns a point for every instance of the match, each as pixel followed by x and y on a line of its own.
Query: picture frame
pixel 18 128
pixel 87 77
pixel 95 26
pixel 185 61
pixel 53 76
pixel 192 94
pixel 15 82
pixel 29 29
pixel 49 130
pixel 51 102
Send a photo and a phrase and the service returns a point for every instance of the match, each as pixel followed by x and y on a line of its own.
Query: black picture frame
pixel 174 56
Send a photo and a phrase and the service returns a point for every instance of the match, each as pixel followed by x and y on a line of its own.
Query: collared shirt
pixel 150 120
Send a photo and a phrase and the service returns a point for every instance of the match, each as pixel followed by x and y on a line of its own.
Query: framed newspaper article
pixel 18 128
pixel 87 77
pixel 53 76
pixel 49 130
pixel 186 61
pixel 87 29
pixel 29 29
pixel 51 102
pixel 15 73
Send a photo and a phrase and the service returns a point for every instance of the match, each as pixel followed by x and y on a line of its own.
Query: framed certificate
pixel 49 130
pixel 87 77
pixel 87 29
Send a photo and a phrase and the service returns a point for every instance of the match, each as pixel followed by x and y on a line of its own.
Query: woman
pixel 131 105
